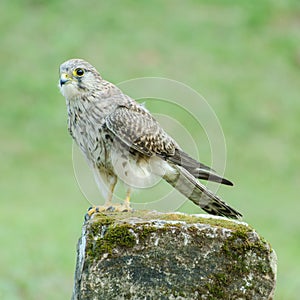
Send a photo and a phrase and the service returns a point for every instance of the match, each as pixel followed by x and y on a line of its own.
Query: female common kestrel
pixel 121 140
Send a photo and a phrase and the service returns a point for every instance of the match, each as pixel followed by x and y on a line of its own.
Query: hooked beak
pixel 64 78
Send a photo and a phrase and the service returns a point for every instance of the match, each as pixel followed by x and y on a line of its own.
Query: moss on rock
pixel 150 255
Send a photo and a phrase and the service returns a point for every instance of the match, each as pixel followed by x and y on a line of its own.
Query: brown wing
pixel 135 127
pixel 138 130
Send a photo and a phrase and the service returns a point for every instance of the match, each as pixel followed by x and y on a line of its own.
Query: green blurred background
pixel 243 56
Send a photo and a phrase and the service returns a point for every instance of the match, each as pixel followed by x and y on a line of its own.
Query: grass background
pixel 243 56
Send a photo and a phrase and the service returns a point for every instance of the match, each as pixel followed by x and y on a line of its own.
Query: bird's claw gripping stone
pixel 107 209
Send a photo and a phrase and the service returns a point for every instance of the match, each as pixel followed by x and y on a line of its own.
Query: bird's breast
pixel 90 137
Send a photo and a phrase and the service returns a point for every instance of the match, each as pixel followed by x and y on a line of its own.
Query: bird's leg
pixel 127 199
pixel 108 202
pixel 108 206
pixel 125 206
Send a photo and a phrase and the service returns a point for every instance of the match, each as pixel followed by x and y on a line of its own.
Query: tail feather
pixel 197 169
pixel 190 187
pixel 183 159
pixel 208 175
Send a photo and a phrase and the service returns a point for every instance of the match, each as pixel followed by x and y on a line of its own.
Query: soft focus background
pixel 243 56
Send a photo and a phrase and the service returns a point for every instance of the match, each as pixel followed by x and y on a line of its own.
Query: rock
pixel 150 255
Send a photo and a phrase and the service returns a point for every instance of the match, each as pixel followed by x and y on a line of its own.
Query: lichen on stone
pixel 150 255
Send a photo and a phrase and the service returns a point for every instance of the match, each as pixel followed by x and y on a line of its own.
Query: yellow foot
pixel 108 208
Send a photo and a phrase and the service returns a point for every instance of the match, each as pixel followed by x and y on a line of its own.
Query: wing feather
pixel 134 126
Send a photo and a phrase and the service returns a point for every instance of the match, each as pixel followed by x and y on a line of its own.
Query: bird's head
pixel 77 77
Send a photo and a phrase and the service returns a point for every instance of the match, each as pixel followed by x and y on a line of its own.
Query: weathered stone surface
pixel 148 255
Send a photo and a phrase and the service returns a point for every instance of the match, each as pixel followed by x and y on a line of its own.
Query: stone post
pixel 151 255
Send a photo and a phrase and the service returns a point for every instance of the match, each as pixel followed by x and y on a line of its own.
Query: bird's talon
pixel 111 209
pixel 86 217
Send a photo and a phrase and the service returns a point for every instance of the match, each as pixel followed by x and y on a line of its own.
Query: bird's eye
pixel 78 72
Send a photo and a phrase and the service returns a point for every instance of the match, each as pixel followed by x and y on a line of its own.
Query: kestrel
pixel 122 140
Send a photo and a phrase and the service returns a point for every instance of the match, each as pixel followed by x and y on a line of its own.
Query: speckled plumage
pixel 121 140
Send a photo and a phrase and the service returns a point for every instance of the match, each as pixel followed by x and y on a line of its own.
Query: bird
pixel 121 140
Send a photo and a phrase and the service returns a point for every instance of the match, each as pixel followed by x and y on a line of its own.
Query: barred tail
pixel 190 187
